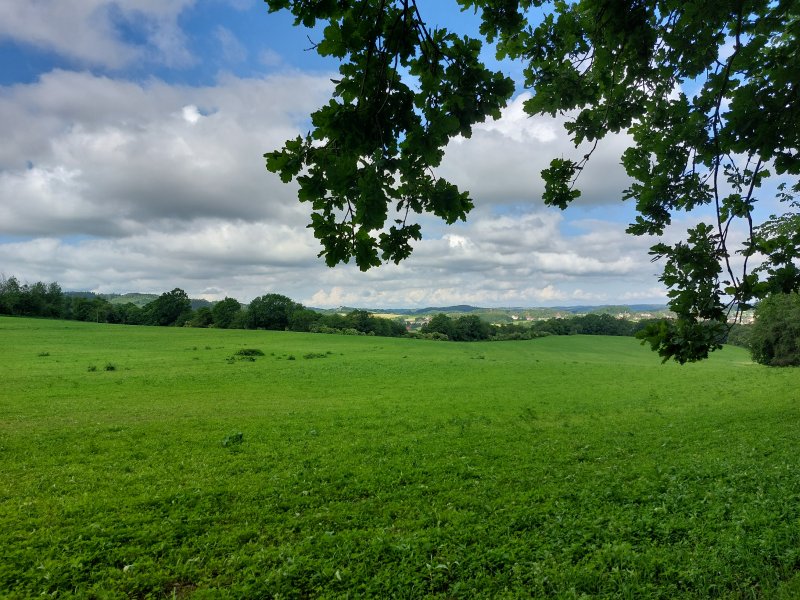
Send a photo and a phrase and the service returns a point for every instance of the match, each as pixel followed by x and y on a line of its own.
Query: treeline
pixel 174 309
pixel 469 328
pixel 278 312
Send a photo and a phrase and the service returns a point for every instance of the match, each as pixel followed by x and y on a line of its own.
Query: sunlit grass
pixel 380 467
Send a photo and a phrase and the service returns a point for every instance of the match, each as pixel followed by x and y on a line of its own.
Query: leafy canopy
pixel 707 90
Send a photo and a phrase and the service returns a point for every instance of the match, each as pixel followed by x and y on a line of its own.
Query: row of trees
pixel 48 300
pixel 277 312
pixel 469 328
pixel 280 313
pixel 39 299
pixel 774 339
pixel 174 308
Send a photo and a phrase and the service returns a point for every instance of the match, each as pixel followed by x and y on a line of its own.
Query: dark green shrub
pixel 249 352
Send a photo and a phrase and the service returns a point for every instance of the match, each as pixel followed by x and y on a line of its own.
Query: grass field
pixel 562 467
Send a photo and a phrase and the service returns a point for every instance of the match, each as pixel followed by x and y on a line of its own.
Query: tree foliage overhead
pixel 707 90
pixel 367 163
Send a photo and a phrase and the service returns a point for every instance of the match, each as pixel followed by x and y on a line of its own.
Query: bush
pixel 249 352
pixel 319 328
pixel 435 335
pixel 775 335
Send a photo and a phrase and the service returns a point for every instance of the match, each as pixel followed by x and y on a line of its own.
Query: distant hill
pixel 133 298
pixel 80 294
pixel 460 308
pixel 139 300
pixel 200 303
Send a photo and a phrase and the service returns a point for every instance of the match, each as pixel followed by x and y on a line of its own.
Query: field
pixel 562 467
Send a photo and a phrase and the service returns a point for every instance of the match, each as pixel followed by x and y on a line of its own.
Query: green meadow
pixel 158 463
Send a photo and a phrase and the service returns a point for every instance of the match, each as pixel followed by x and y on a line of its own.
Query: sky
pixel 132 161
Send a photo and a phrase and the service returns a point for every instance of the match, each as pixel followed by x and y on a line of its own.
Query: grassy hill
pixel 378 467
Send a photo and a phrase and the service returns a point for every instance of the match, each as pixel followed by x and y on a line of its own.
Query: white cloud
pixel 190 114
pixel 457 241
pixel 111 185
pixel 517 125
pixel 205 253
pixel 134 153
pixel 118 185
pixel 232 49
pixel 91 31
pixel 240 4
pixel 502 161
pixel 244 260
pixel 521 260
pixel 270 58
pixel 42 201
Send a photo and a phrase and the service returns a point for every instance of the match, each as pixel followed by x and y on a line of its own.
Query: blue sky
pixel 132 161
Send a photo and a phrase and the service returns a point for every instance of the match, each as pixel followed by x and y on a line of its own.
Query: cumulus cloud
pixel 530 258
pixel 244 260
pixel 113 186
pixel 93 155
pixel 92 32
pixel 206 253
pixel 502 161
